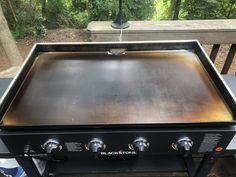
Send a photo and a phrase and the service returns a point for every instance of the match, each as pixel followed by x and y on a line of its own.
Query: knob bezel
pixel 140 139
pixel 180 141
pixel 52 142
pixel 95 140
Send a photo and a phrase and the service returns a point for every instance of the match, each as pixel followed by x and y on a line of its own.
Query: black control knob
pixel 95 146
pixel 183 144
pixel 51 146
pixel 139 145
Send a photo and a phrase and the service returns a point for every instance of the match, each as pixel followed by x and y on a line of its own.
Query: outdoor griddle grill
pixel 117 107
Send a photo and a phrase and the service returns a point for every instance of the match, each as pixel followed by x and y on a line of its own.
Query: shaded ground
pixel 76 35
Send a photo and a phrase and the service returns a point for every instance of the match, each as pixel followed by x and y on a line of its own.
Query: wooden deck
pixel 225 167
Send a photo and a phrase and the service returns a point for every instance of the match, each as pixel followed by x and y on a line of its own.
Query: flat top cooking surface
pixel 135 88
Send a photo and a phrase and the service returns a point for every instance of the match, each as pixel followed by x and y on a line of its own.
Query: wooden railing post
pixel 214 52
pixel 229 59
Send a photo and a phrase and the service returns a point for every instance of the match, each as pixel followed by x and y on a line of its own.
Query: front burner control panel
pixel 98 148
pixel 120 144
pixel 137 147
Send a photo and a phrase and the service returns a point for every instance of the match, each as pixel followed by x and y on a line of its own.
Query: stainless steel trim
pixel 184 42
pixel 121 42
pixel 217 72
pixel 18 73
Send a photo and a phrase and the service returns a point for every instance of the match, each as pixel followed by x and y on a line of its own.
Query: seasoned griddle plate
pixel 153 87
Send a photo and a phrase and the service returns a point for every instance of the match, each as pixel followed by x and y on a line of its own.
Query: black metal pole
pixel 120 21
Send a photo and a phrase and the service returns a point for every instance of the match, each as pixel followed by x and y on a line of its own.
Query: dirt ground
pixel 77 35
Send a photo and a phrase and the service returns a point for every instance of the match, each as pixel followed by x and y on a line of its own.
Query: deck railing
pixel 208 32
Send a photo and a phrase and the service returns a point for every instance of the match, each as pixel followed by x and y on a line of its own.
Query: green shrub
pixel 79 5
pixel 101 9
pixel 28 26
pixel 209 9
pixel 29 19
pixel 197 9
pixel 78 19
pixel 56 14
pixel 132 9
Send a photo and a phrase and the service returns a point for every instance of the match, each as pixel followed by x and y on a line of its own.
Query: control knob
pixel 183 144
pixel 139 145
pixel 51 146
pixel 95 146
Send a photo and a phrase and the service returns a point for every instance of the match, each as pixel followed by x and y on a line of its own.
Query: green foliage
pixel 102 9
pixel 55 14
pixel 61 14
pixel 139 10
pixel 40 29
pixel 79 5
pixel 209 9
pixel 78 19
pixel 132 9
pixel 165 9
pixel 78 14
pixel 197 9
pixel 29 22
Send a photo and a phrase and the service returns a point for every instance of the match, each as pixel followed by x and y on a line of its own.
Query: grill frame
pixel 192 45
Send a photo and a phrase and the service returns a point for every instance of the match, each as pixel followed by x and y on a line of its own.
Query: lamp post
pixel 120 22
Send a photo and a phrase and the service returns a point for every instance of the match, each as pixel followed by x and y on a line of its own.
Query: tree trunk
pixel 12 10
pixel 176 10
pixel 8 43
pixel 44 8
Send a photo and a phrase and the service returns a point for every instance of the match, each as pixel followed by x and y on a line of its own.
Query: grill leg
pixel 191 167
pixel 205 166
pixel 28 166
pixel 202 171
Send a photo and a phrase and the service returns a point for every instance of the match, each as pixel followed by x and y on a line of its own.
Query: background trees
pixel 34 17
pixel 196 9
